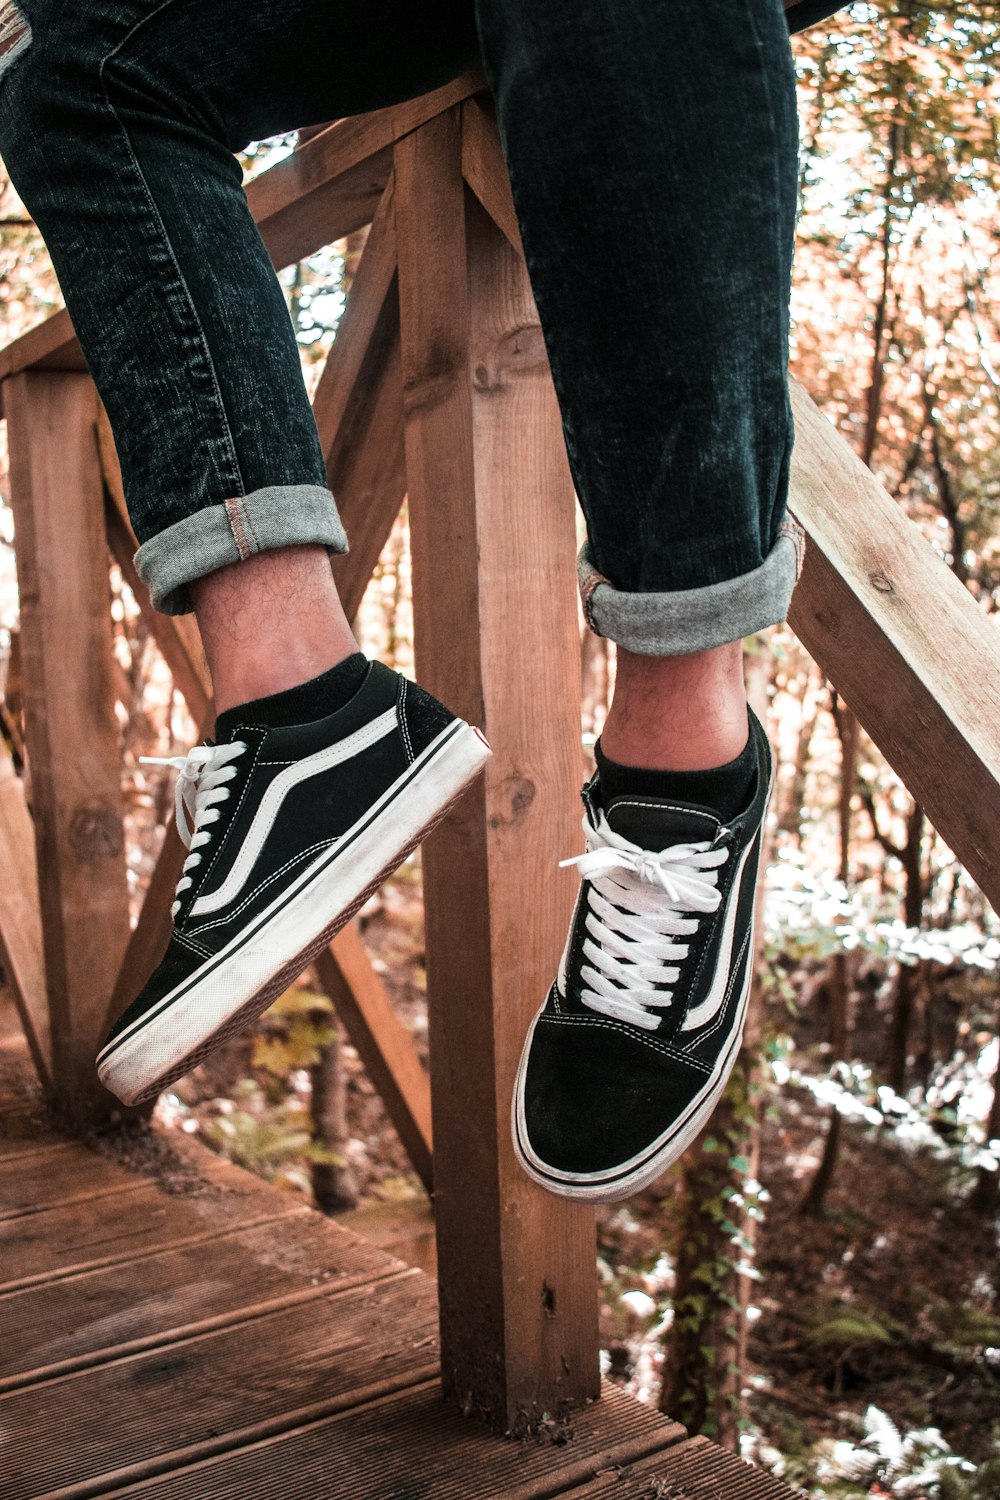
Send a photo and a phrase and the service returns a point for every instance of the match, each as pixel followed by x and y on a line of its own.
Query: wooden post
pixel 20 925
pixel 491 507
pixel 70 728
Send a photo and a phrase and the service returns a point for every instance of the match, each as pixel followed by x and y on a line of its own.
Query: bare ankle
pixel 270 623
pixel 678 713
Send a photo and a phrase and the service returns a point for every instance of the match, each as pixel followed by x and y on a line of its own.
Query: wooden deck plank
pixel 14 1148
pixel 52 1328
pixel 196 1195
pixel 61 1177
pixel 693 1470
pixel 82 1237
pixel 209 1393
pixel 415 1447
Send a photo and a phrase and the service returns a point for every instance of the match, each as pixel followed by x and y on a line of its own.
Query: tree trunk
pixel 986 1193
pixel 335 1188
pixel 790 815
pixel 703 1375
pixel 838 978
pixel 704 1371
pixel 908 981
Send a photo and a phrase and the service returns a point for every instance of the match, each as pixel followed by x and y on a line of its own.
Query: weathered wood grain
pixel 491 515
pixel 215 1390
pixel 134 1306
pixel 912 654
pixel 692 1470
pixel 413 1445
pixel 21 948
pixel 70 727
pixel 484 167
pixel 382 1042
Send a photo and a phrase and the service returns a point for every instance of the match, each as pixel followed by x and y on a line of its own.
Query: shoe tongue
pixel 655 823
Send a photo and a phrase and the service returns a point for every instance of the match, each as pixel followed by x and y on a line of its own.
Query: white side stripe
pixel 313 765
pixel 710 1006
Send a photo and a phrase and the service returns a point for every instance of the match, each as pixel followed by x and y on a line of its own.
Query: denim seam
pixel 248 523
pixel 243 546
pixel 220 409
pixel 783 250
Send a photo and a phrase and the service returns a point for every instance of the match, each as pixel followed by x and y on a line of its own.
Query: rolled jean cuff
pixel 685 620
pixel 284 515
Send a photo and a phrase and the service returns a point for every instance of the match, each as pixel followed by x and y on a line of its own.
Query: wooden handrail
pixel 908 647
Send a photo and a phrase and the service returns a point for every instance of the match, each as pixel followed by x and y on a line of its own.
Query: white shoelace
pixel 631 952
pixel 200 787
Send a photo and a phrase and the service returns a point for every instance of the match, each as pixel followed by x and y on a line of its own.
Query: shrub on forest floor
pixel 917 1465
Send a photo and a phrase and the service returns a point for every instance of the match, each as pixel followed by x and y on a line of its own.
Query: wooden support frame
pixel 20 923
pixel 438 362
pixel 70 728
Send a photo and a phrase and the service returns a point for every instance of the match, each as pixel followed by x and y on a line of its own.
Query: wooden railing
pixel 437 386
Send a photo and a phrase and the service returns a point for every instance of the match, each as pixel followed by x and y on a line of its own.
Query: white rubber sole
pixel 239 983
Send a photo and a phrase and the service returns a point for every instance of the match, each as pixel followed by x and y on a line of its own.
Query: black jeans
pixel 652 151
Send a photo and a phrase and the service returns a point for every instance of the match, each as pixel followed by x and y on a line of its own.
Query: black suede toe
pixel 596 1096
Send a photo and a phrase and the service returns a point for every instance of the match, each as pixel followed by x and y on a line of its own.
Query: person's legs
pixel 652 153
pixel 118 123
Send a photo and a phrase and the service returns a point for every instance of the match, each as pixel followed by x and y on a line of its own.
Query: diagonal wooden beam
pixel 330 186
pixel 365 461
pixel 484 167
pixel 382 1042
pixel 366 301
pixel 908 647
pixel 20 918
pixel 176 635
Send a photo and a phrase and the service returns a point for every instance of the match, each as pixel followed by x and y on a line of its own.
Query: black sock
pixel 302 704
pixel 722 790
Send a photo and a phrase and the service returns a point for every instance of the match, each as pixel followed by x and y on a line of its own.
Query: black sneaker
pixel 290 830
pixel 626 1060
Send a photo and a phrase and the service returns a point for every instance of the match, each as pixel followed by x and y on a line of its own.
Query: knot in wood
pixel 880 582
pixel 95 832
pixel 521 793
pixel 519 352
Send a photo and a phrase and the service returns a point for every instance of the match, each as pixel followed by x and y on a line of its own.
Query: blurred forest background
pixel 818 1283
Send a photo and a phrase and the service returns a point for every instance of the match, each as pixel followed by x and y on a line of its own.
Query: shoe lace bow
pixel 199 789
pixel 640 906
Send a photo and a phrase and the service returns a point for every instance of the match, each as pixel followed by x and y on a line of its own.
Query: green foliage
pixel 295 1030
pixel 845 1328
pixel 263 1143
pixel 919 1465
